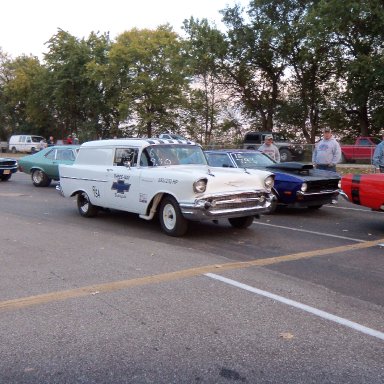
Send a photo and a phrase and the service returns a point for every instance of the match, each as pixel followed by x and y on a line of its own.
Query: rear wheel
pixel 85 207
pixel 13 150
pixel 241 222
pixel 285 155
pixel 172 222
pixel 40 179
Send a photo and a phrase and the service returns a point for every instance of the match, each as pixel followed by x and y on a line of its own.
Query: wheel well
pixel 156 201
pixel 36 169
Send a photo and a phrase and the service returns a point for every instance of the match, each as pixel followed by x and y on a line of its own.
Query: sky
pixel 26 25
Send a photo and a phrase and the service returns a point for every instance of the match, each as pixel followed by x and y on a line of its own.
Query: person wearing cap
pixel 378 155
pixel 327 152
pixel 270 149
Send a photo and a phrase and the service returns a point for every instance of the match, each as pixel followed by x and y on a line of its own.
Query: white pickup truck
pixel 170 178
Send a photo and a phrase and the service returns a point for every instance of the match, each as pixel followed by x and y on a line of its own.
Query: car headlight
pixel 200 186
pixel 269 182
pixel 304 187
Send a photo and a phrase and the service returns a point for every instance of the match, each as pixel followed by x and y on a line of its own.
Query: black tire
pixel 285 155
pixel 241 222
pixel 13 150
pixel 40 179
pixel 85 207
pixel 172 222
pixel 5 177
pixel 315 206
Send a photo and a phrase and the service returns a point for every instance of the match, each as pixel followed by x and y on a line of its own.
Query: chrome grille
pixel 235 201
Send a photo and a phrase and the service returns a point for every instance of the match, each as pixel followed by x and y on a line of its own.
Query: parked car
pixel 366 190
pixel 296 184
pixel 362 149
pixel 171 136
pixel 26 143
pixel 43 166
pixel 3 146
pixel 288 150
pixel 7 167
pixel 165 177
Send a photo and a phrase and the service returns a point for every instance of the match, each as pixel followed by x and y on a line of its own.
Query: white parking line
pixel 312 232
pixel 354 209
pixel 304 307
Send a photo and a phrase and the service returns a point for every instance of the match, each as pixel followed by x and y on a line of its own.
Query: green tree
pixel 149 67
pixel 27 103
pixel 356 28
pixel 78 95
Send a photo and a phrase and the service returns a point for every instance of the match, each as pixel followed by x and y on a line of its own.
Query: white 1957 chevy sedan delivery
pixel 168 177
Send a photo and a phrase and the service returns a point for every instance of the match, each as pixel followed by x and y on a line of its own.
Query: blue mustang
pixel 296 184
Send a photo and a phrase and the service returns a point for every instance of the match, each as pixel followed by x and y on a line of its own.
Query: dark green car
pixel 43 166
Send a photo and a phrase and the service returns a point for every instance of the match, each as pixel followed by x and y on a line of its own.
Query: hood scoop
pixel 291 166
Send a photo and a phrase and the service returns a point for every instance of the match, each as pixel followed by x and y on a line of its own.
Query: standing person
pixel 69 140
pixel 378 155
pixel 51 141
pixel 327 152
pixel 270 149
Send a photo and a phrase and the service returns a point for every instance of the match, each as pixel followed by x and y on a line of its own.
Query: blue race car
pixel 296 184
pixel 7 167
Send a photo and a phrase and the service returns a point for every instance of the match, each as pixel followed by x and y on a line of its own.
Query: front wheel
pixel 315 206
pixel 241 222
pixel 5 177
pixel 85 207
pixel 40 179
pixel 172 221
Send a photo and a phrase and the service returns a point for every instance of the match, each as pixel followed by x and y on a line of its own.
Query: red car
pixel 366 190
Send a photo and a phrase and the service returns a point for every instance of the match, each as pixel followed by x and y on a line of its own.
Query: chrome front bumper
pixel 227 206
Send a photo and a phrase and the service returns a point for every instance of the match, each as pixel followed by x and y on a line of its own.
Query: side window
pixel 51 154
pixel 29 140
pixel 22 139
pixel 219 160
pixel 364 143
pixel 125 156
pixel 65 154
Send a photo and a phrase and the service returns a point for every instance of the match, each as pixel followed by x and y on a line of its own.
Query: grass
pixel 355 170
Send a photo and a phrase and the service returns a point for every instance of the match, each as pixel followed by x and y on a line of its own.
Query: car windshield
pixel 157 155
pixel 252 159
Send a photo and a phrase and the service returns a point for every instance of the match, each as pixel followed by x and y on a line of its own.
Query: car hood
pixel 302 171
pixel 223 179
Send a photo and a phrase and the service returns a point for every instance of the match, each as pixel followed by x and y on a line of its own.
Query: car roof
pixel 232 150
pixel 139 142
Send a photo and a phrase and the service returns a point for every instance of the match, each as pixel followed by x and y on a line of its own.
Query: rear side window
pixel 125 156
pixel 65 154
pixel 219 160
pixel 51 154
pixel 252 137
